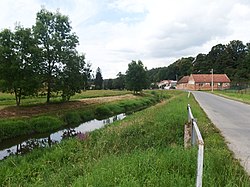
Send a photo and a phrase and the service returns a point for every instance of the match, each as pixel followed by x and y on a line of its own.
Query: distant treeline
pixel 232 59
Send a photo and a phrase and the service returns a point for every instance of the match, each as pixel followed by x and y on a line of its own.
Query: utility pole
pixel 212 71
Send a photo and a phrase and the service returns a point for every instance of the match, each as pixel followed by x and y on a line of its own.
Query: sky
pixel 112 33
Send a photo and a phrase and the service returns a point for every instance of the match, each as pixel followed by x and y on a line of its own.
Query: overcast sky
pixel 158 32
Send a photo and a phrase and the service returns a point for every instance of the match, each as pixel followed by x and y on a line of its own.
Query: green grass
pixel 144 149
pixel 99 93
pixel 7 99
pixel 243 96
pixel 10 128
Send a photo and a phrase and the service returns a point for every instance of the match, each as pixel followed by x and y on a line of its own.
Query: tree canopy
pixel 42 58
pixel 18 68
pixel 98 79
pixel 136 76
pixel 57 43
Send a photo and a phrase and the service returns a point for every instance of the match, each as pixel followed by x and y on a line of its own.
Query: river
pixel 24 144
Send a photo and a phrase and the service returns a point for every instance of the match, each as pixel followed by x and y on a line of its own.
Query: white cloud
pixel 114 32
pixel 22 11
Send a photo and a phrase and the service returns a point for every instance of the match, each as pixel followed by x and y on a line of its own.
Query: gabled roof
pixel 202 78
pixel 183 80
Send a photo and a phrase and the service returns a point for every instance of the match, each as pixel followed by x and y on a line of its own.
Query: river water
pixel 24 144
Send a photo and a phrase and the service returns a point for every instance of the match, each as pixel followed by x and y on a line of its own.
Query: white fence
pixel 196 139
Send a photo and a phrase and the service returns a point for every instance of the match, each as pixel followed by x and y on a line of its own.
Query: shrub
pixel 102 111
pixel 9 128
pixel 72 118
pixel 86 115
pixel 45 123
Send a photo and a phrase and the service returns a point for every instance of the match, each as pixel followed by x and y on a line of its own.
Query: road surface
pixel 232 118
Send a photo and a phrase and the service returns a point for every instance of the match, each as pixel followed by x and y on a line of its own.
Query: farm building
pixel 204 82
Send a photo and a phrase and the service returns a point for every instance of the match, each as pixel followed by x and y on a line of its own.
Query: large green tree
pixel 18 65
pixel 56 42
pixel 136 76
pixel 98 79
pixel 71 78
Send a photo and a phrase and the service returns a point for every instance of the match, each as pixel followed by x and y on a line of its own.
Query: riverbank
pixel 72 113
pixel 144 149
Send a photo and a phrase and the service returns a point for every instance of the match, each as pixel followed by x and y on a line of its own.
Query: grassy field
pixel 243 96
pixel 7 99
pixel 144 149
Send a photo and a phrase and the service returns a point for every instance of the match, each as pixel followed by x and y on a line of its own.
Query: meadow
pixel 144 149
pixel 8 99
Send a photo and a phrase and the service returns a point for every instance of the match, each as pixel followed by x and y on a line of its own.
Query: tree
pixel 216 59
pixel 71 78
pixel 56 42
pixel 18 67
pixel 200 64
pixel 119 82
pixel 98 79
pixel 236 53
pixel 243 70
pixel 136 76
pixel 86 76
pixel 108 84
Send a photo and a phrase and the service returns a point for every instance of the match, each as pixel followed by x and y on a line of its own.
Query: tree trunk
pixel 17 96
pixel 49 90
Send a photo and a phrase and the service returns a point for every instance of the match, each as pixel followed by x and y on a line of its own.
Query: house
pixel 204 82
pixel 166 84
pixel 182 83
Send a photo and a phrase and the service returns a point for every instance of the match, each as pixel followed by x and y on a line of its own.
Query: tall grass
pixel 243 96
pixel 145 149
pixel 10 128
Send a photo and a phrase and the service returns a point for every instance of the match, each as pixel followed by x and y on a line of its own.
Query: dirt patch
pixel 26 111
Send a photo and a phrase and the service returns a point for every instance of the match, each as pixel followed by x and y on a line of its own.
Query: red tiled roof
pixel 202 78
pixel 183 80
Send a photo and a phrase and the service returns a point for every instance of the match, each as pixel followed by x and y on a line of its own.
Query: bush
pixel 102 111
pixel 72 118
pixel 86 115
pixel 45 123
pixel 9 128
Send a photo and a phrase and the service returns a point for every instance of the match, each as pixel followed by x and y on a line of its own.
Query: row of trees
pixel 232 59
pixel 135 79
pixel 43 57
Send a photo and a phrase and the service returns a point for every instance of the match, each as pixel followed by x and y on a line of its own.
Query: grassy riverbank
pixel 242 95
pixel 145 149
pixel 10 128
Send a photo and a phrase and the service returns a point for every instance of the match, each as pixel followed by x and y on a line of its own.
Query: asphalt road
pixel 232 118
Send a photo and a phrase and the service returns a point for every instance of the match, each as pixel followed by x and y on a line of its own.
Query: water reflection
pixel 20 146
